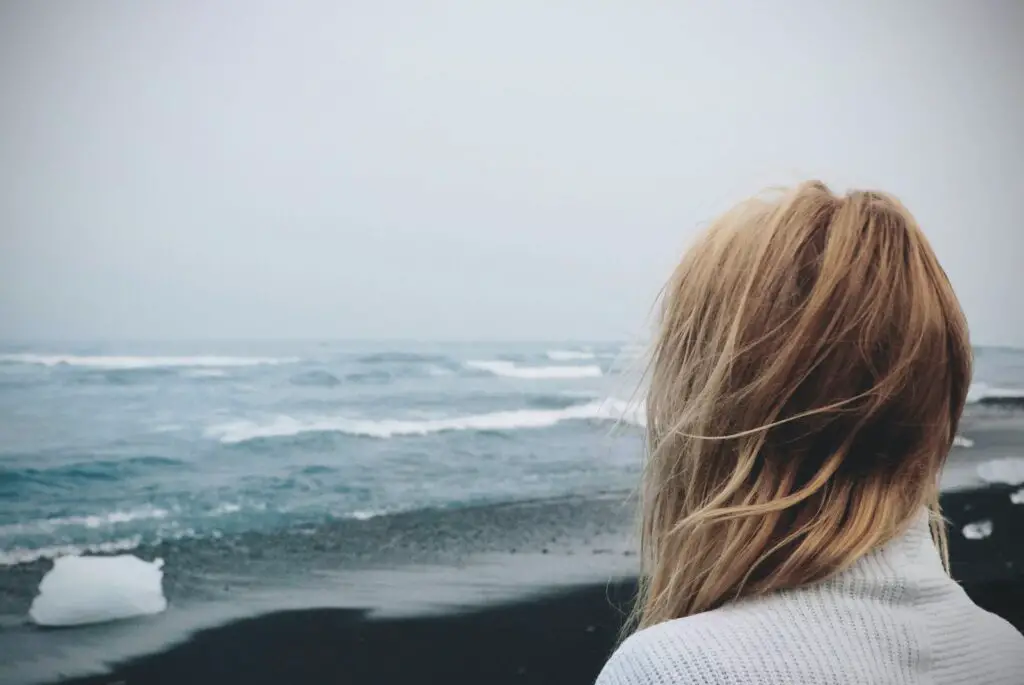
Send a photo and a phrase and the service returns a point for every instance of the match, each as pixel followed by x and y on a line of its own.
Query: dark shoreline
pixel 560 637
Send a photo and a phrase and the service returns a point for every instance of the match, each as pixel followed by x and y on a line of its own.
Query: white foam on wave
pixel 513 370
pixel 961 441
pixel 206 373
pixel 365 514
pixel 110 362
pixel 112 518
pixel 1009 471
pixel 25 555
pixel 979 392
pixel 570 355
pixel 520 419
pixel 85 590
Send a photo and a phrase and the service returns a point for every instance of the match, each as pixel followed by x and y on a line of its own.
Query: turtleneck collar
pixel 912 556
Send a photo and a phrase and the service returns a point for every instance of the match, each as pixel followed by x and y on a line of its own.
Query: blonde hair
pixel 805 386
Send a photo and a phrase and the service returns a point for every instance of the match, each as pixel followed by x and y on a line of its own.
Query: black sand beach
pixel 563 639
pixel 561 636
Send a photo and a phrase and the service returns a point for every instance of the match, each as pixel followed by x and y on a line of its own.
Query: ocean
pixel 112 447
pixel 205 447
pixel 408 478
pixel 107 447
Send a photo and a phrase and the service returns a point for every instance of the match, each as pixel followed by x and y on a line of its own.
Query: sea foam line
pixel 1007 470
pixel 24 555
pixel 512 370
pixel 87 521
pixel 110 362
pixel 206 373
pixel 980 392
pixel 520 419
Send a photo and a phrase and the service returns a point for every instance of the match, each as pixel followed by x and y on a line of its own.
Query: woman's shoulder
pixel 819 635
pixel 684 650
pixel 784 637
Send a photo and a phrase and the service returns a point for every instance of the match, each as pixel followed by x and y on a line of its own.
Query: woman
pixel 806 384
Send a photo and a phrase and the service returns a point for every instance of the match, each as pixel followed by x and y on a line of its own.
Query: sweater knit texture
pixel 894 617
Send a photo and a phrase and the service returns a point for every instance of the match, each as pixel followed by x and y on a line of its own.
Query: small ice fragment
pixel 81 590
pixel 1017 497
pixel 961 441
pixel 979 530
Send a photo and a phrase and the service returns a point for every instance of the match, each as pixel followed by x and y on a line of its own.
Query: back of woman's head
pixel 806 383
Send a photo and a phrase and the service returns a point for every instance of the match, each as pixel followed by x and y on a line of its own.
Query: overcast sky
pixel 448 170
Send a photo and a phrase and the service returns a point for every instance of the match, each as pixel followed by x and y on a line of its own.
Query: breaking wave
pixel 130 363
pixel 206 373
pixel 513 370
pixel 520 419
pixel 1008 470
pixel 25 555
pixel 88 521
pixel 983 393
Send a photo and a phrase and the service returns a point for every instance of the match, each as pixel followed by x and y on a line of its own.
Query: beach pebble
pixel 83 590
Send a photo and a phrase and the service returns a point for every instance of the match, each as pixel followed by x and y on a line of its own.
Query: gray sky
pixel 527 169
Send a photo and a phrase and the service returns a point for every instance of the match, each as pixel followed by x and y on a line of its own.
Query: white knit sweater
pixel 894 617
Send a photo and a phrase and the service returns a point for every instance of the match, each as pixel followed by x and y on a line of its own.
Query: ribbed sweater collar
pixel 908 559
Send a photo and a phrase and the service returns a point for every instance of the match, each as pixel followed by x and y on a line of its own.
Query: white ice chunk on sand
pixel 979 530
pixel 80 590
pixel 1009 470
